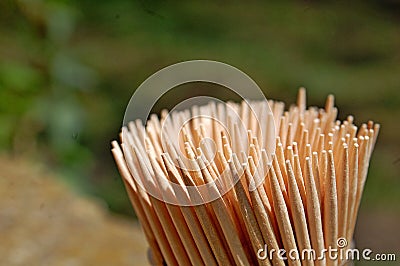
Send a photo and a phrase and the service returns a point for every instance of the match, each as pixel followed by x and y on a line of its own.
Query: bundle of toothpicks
pixel 303 196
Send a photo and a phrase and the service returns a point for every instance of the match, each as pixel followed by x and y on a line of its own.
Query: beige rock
pixel 42 222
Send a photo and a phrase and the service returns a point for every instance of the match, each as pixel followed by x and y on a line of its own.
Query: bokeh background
pixel 69 68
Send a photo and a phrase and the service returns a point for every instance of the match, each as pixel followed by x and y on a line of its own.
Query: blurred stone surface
pixel 42 222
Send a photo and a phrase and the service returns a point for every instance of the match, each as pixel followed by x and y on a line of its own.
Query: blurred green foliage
pixel 68 69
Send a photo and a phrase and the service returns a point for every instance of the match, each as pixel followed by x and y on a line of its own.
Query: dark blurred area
pixel 69 68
